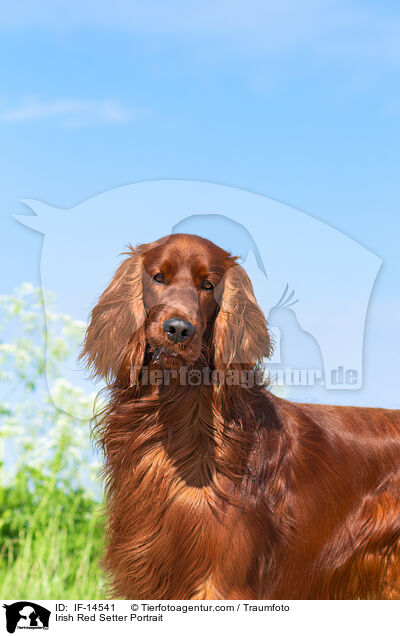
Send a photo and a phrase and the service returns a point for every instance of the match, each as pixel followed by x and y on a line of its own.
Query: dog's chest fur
pixel 174 530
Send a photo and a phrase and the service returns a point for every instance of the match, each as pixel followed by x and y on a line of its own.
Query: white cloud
pixel 70 111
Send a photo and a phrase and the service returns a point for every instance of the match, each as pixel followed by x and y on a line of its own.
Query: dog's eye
pixel 160 278
pixel 207 285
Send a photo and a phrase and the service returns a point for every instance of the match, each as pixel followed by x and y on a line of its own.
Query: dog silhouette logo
pixel 332 275
pixel 26 615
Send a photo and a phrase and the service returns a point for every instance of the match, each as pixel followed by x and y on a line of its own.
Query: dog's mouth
pixel 163 356
pixel 160 353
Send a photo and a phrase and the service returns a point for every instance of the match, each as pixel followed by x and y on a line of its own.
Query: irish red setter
pixel 216 488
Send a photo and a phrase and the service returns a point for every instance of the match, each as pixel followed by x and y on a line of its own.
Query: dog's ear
pixel 240 335
pixel 115 338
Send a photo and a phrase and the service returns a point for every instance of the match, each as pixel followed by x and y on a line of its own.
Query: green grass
pixel 51 541
pixel 51 530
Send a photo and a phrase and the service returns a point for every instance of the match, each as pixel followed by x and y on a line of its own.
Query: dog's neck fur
pixel 179 461
pixel 198 426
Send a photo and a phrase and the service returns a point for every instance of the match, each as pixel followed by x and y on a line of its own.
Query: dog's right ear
pixel 240 337
pixel 115 337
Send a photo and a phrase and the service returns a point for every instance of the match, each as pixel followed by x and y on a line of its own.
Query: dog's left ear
pixel 240 336
pixel 114 344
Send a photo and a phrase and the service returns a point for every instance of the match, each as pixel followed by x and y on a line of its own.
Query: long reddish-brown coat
pixel 297 501
pixel 227 491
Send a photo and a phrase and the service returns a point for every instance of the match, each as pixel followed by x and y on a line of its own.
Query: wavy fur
pixel 227 492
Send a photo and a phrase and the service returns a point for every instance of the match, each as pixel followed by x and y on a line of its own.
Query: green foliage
pixel 51 528
pixel 51 540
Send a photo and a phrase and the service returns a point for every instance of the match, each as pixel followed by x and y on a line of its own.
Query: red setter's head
pixel 181 301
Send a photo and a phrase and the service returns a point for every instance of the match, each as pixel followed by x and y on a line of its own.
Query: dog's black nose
pixel 178 330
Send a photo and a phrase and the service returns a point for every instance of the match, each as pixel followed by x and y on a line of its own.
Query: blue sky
pixel 299 102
